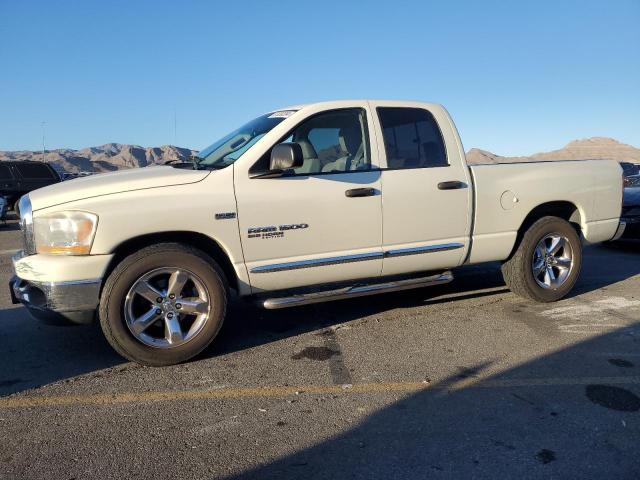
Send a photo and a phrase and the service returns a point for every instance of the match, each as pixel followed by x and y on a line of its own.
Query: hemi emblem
pixel 225 216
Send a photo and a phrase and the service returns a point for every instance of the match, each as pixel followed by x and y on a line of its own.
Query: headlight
pixel 64 233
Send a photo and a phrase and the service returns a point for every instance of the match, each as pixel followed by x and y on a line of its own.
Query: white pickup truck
pixel 305 204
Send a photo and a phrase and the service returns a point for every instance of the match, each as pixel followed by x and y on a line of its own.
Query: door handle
pixel 360 192
pixel 451 185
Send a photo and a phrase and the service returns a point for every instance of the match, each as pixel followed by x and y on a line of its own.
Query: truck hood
pixel 113 182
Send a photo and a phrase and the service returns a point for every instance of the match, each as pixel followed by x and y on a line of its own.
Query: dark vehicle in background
pixel 631 212
pixel 71 175
pixel 3 208
pixel 631 173
pixel 631 201
pixel 20 177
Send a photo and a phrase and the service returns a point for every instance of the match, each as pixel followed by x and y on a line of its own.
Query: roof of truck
pixel 300 106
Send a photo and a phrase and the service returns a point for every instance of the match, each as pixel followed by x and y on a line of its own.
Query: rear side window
pixel 34 170
pixel 5 173
pixel 412 138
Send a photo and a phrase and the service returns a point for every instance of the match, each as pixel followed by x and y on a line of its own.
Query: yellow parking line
pixel 20 401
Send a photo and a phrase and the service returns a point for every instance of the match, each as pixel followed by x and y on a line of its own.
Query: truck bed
pixel 504 194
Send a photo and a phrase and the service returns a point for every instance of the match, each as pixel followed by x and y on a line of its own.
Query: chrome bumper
pixel 621 226
pixel 56 302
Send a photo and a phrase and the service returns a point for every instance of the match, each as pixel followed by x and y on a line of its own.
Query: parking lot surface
pixel 462 381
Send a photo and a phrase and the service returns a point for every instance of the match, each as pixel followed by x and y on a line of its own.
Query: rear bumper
pixel 620 230
pixel 58 302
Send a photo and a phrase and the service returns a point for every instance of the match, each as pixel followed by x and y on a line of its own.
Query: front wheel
pixel 547 262
pixel 163 305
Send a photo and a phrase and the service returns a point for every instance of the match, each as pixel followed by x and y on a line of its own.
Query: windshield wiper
pixel 206 166
pixel 195 161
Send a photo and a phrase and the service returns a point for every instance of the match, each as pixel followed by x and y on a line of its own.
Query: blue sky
pixel 518 77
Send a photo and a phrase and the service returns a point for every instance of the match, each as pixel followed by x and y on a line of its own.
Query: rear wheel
pixel 547 262
pixel 163 305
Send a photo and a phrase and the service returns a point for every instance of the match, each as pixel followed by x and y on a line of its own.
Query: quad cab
pixel 304 204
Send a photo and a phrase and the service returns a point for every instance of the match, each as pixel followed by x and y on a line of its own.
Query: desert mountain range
pixel 115 156
pixel 594 148
pixel 105 158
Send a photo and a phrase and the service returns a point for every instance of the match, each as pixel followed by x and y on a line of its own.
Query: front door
pixel 321 222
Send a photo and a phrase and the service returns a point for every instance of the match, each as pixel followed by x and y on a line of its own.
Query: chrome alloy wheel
pixel 167 307
pixel 552 261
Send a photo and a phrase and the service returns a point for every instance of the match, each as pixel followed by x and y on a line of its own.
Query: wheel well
pixel 194 239
pixel 561 209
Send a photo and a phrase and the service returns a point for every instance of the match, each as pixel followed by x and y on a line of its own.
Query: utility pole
pixel 175 126
pixel 43 124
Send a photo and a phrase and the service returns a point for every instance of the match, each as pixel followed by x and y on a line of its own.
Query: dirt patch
pixel 315 353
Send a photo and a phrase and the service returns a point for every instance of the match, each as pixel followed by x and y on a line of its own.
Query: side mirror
pixel 286 156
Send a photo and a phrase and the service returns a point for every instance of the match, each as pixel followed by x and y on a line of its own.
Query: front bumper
pixel 59 288
pixel 58 302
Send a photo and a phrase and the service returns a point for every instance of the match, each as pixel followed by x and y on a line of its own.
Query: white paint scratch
pixel 595 310
pixel 592 317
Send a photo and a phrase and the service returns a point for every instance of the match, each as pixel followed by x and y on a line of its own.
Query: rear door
pixel 426 189
pixel 321 222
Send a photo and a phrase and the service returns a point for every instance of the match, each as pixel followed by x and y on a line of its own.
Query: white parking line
pixel 586 328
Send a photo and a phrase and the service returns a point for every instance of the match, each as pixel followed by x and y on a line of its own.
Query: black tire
pixel 518 272
pixel 129 270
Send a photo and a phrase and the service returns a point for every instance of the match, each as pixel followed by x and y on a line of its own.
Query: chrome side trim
pixel 356 291
pixel 619 231
pixel 317 262
pixel 70 283
pixel 426 249
pixel 320 262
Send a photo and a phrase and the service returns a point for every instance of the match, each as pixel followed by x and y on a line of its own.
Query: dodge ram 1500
pixel 304 204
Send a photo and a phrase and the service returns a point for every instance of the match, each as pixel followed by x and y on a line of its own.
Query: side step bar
pixel 356 291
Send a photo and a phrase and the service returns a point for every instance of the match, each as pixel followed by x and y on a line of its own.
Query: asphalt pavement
pixel 461 381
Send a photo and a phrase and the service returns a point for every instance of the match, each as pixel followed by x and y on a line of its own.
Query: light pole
pixel 43 124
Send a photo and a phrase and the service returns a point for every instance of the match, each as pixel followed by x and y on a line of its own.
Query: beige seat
pixel 311 162
pixel 350 139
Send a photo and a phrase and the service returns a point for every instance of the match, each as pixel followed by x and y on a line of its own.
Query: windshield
pixel 231 147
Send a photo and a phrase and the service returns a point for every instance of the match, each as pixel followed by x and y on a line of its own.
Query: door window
pixel 5 173
pixel 332 142
pixel 34 171
pixel 412 138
